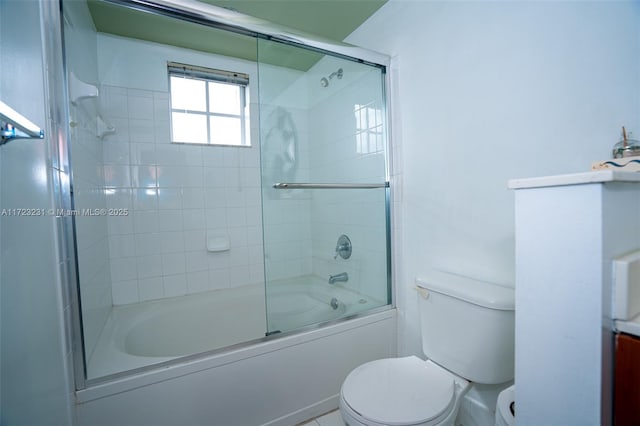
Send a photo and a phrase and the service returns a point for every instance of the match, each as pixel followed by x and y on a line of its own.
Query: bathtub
pixel 153 332
pixel 282 379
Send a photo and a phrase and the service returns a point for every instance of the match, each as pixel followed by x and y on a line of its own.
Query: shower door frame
pixel 223 19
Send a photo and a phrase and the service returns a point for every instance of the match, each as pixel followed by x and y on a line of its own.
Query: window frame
pixel 211 75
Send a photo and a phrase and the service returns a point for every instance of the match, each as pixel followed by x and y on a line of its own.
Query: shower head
pixel 324 81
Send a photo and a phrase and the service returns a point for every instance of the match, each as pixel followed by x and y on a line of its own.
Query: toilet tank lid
pixel 474 291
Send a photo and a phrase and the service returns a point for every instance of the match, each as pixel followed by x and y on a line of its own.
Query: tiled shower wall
pixel 352 150
pixel 302 226
pixel 175 195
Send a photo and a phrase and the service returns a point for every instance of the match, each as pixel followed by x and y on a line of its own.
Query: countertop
pixel 631 326
pixel 600 176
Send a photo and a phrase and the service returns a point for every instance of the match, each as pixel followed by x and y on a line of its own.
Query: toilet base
pixel 504 414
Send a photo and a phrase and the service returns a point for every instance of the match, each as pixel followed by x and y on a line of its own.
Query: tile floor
pixel 332 418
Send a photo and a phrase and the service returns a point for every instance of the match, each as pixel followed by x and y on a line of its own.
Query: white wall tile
pixel 194 240
pixel 172 242
pixel 193 219
pixel 143 154
pixel 148 243
pixel 175 285
pixel 219 279
pixel 169 198
pixel 140 107
pixel 115 153
pixel 239 275
pixel 236 216
pixel 197 260
pixel 148 267
pixel 198 281
pixel 141 131
pixel 146 221
pixel 150 288
pixel 118 198
pixel 121 246
pixel 173 263
pixel 144 176
pixel 170 155
pixel 123 269
pixel 116 176
pixel 170 220
pixel 120 225
pixel 145 199
pixel 193 198
pixel 125 292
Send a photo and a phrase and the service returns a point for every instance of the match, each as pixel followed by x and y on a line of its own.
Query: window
pixel 369 136
pixel 208 106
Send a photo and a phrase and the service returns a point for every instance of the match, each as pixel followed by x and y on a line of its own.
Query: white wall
pixel 35 382
pixel 484 92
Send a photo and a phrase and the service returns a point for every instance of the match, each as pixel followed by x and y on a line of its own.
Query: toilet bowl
pixel 505 407
pixel 401 391
pixel 467 329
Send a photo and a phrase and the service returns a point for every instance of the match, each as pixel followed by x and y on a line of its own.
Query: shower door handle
pixel 15 126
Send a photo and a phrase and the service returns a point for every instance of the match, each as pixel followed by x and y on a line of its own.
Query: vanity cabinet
pixel 626 411
pixel 569 229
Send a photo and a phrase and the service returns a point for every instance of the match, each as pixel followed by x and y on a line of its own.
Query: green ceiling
pixel 332 19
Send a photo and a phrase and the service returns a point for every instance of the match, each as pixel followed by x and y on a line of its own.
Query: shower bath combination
pixel 151 292
pixel 324 81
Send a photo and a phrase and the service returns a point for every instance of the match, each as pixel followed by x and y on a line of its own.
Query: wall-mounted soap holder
pixel 79 90
pixel 104 128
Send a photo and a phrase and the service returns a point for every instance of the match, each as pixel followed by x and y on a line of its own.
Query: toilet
pixel 505 407
pixel 467 329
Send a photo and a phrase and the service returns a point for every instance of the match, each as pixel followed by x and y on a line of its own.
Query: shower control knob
pixel 343 247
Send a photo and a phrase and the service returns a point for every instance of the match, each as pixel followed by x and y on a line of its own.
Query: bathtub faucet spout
pixel 341 277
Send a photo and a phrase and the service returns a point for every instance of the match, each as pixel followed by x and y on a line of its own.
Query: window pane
pixel 188 93
pixel 189 127
pixel 226 131
pixel 224 98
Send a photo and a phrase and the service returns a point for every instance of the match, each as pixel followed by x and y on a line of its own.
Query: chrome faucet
pixel 341 277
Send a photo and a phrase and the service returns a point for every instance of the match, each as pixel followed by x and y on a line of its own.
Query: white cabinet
pixel 568 230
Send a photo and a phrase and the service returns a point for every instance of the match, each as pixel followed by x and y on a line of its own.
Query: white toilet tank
pixel 468 326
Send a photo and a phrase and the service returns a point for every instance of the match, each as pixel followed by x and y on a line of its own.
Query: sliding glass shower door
pixel 324 186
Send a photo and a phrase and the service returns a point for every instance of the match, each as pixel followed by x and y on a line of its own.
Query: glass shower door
pixel 324 187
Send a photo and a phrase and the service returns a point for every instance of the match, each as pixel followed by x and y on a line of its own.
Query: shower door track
pixel 285 185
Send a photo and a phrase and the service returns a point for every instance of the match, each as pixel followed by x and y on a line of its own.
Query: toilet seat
pixel 399 391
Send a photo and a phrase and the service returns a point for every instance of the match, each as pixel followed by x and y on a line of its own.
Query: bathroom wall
pixel 484 92
pixel 36 386
pixel 176 194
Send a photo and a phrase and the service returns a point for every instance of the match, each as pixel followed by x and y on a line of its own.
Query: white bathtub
pixel 152 332
pixel 273 381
